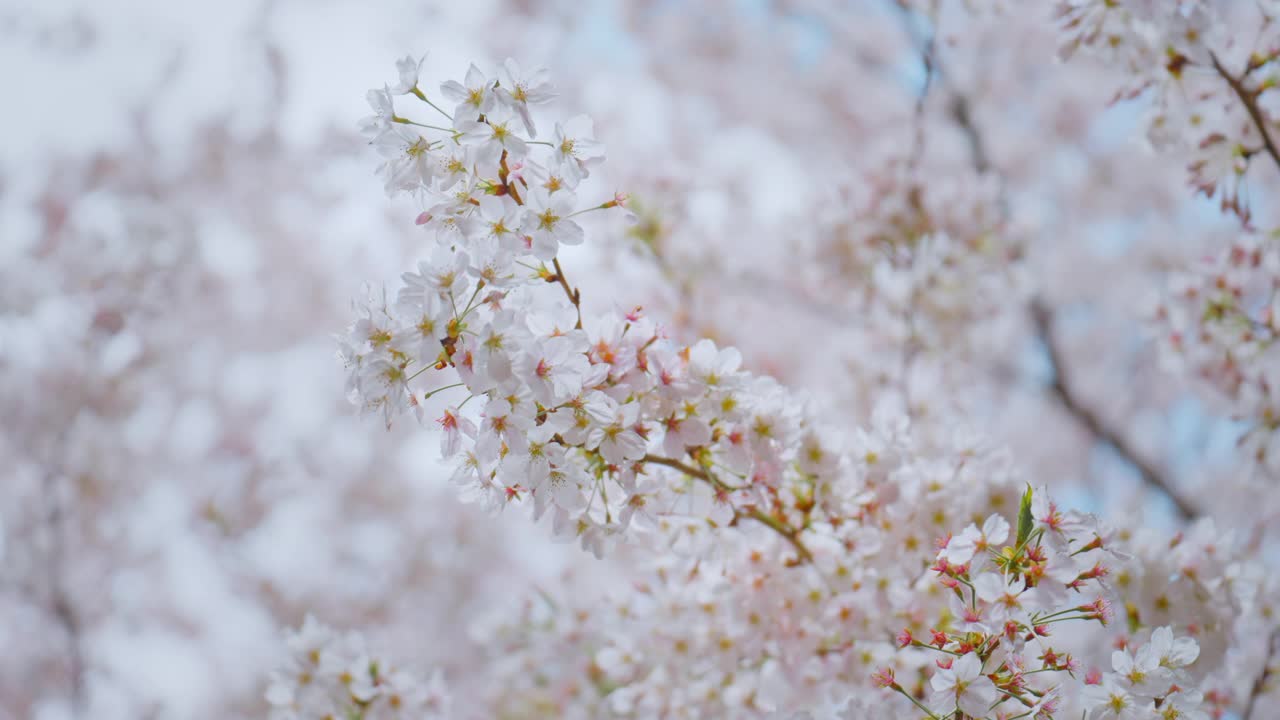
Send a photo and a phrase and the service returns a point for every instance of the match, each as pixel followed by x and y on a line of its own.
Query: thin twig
pixel 791 534
pixel 1260 684
pixel 60 601
pixel 575 297
pixel 1094 423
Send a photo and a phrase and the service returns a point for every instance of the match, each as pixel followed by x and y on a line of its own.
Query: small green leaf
pixel 1025 521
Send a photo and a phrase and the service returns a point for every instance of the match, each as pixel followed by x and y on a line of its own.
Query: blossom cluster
pixel 1008 591
pixel 704 622
pixel 739 638
pixel 330 675
pixel 934 271
pixel 1219 323
pixel 878 249
pixel 601 420
pixel 1211 93
pixel 744 631
pixel 823 540
pixel 1147 681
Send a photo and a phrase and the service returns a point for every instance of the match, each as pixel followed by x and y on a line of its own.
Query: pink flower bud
pixel 884 678
pixel 904 638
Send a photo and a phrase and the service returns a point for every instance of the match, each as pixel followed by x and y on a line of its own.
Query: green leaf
pixel 1025 521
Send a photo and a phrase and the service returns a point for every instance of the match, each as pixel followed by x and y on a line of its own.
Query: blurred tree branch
pixel 1260 684
pixel 1094 423
pixel 960 111
pixel 1248 98
pixel 60 600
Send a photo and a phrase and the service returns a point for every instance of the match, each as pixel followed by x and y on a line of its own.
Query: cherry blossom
pixel 963 684
pixel 908 346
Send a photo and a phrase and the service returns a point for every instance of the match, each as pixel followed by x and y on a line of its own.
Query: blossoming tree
pixel 906 359
pixel 781 562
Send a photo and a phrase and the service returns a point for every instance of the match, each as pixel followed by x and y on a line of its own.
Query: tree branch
pixel 689 470
pixel 1250 101
pixel 964 120
pixel 1095 424
pixel 960 113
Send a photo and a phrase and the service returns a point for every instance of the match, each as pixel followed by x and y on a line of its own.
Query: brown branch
pixel 961 113
pixel 963 118
pixel 1260 684
pixel 689 470
pixel 1250 100
pixel 575 297
pixel 1095 424
pixel 790 534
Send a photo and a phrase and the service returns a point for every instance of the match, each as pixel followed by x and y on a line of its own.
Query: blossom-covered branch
pixel 1181 53
pixel 1249 99
pixel 622 433
pixel 330 675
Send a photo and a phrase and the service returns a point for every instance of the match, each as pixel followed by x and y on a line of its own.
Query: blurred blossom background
pixel 187 212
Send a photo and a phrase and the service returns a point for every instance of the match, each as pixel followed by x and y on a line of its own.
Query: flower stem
pixel 418 93
pixel 407 121
pixel 916 702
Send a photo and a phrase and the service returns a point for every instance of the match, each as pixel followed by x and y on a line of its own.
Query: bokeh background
pixel 186 213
